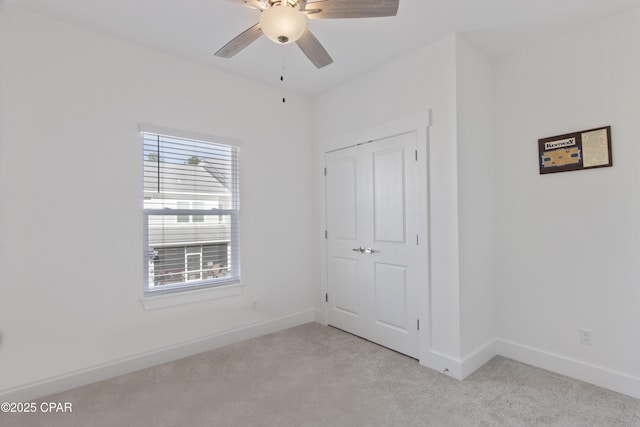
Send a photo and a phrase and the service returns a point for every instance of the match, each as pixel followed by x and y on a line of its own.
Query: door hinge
pixel 326 234
pixel 325 171
pixel 416 155
pixel 417 240
pixel 418 322
pixel 326 297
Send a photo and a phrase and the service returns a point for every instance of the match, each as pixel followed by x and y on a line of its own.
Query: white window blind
pixel 191 214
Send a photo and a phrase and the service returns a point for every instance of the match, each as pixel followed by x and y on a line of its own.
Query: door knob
pixel 364 250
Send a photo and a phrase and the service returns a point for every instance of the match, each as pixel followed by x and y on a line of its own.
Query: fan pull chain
pixel 282 76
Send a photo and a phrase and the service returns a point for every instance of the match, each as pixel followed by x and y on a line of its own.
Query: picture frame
pixel 587 149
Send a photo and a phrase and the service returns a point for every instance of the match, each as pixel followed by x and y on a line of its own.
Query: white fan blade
pixel 333 9
pixel 240 42
pixel 312 48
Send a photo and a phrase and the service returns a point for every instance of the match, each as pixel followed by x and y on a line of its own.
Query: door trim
pixel 418 123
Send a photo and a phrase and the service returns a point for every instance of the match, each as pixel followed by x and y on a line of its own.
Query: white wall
pixel 71 197
pixel 569 243
pixel 412 84
pixel 476 213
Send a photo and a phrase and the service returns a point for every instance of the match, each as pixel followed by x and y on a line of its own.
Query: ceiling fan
pixel 285 21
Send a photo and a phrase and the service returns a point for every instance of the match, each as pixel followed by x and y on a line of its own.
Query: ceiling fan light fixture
pixel 283 24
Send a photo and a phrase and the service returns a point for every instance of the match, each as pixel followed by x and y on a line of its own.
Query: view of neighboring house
pixel 188 240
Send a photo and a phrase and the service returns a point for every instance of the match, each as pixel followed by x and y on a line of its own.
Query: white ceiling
pixel 195 29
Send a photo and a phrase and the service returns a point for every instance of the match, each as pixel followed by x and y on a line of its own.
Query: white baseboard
pixel 442 363
pixel 478 358
pixel 459 369
pixel 320 317
pixel 136 362
pixel 597 375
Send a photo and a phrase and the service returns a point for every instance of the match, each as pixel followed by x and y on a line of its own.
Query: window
pixel 190 205
pixel 191 214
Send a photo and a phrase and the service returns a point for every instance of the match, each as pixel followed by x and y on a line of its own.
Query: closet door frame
pixel 418 123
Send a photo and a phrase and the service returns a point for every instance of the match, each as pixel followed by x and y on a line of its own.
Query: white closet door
pixel 346 231
pixel 371 241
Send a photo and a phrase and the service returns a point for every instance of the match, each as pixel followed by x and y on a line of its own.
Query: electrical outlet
pixel 585 337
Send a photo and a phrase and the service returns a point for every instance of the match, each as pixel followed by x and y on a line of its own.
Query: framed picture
pixel 587 149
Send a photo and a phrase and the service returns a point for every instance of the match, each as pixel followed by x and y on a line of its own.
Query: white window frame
pixel 195 290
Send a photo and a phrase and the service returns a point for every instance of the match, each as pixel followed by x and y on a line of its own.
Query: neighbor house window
pixel 191 214
pixel 190 218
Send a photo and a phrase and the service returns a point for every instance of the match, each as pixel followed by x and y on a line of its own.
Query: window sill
pixel 153 302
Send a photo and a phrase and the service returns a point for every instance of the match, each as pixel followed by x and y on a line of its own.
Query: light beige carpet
pixel 313 375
